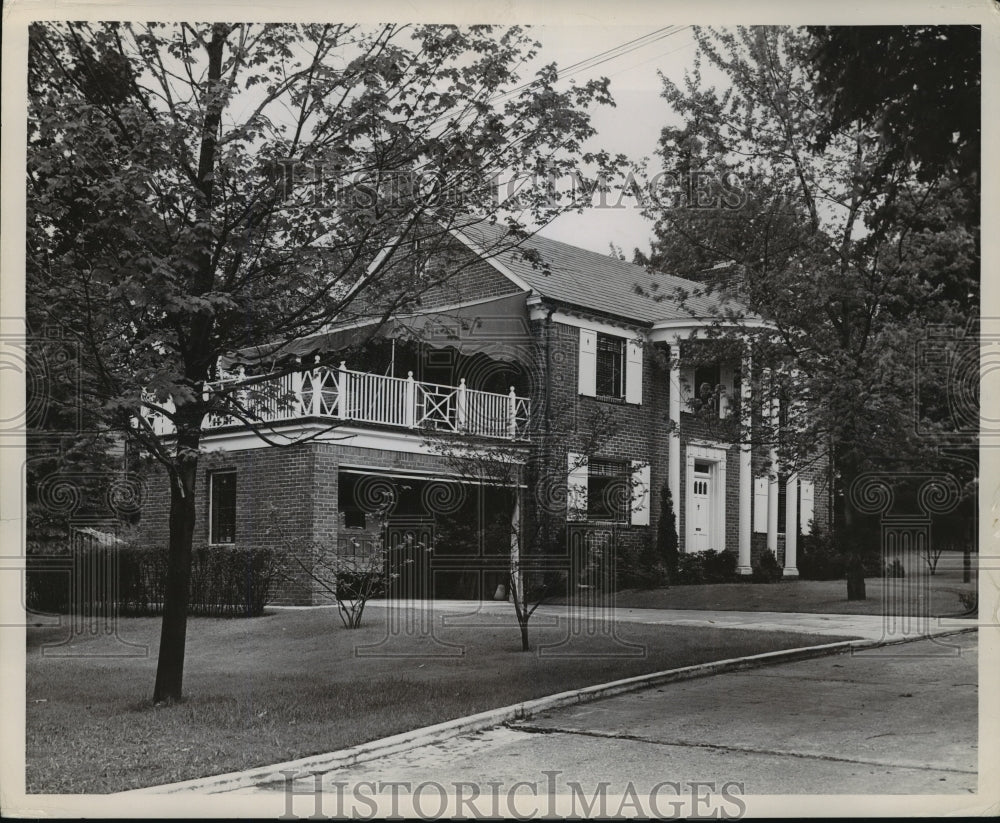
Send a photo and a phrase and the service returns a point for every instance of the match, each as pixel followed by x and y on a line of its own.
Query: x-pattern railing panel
pixel 369 398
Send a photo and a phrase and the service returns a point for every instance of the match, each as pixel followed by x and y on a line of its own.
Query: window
pixel 706 381
pixel 222 505
pixel 610 366
pixel 708 387
pixel 347 501
pixel 608 491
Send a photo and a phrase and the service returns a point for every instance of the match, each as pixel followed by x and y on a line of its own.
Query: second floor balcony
pixel 340 394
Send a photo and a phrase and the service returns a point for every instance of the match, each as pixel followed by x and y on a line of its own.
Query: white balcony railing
pixel 361 397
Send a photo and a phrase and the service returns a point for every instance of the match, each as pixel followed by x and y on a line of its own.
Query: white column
pixel 674 457
pixel 772 481
pixel 344 388
pixel 746 467
pixel 791 525
pixel 461 406
pixel 410 401
pixel 511 414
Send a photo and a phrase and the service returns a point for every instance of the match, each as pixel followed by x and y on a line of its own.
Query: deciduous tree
pixel 849 254
pixel 195 189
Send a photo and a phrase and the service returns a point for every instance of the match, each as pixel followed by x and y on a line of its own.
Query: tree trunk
pixel 851 537
pixel 524 636
pixel 173 630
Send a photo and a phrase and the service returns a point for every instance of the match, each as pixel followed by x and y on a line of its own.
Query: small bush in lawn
pixel 970 603
pixel 893 568
pixel 352 574
pixel 767 569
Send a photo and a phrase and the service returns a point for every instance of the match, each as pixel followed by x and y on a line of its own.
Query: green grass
pixel 289 685
pixel 939 598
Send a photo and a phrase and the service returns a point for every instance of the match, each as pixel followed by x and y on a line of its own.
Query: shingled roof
pixel 597 282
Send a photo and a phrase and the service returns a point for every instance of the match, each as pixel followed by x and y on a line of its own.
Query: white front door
pixel 700 508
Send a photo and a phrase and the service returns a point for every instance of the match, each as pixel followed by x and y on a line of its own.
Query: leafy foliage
pixel 854 260
pixel 198 189
pixel 918 85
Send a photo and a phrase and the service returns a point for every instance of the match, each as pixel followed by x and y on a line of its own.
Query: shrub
pixel 666 532
pixel 225 581
pixel 705 567
pixel 720 567
pixel 641 568
pixel 819 558
pixel 893 568
pixel 690 569
pixel 767 569
pixel 970 603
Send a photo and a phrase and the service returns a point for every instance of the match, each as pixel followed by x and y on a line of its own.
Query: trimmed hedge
pixel 225 582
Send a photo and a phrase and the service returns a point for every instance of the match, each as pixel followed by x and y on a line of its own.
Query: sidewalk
pixel 869 627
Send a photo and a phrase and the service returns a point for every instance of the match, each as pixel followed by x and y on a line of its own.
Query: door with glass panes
pixel 700 507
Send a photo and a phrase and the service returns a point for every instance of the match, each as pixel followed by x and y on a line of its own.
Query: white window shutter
pixel 640 493
pixel 727 381
pixel 760 505
pixel 807 493
pixel 576 486
pixel 633 372
pixel 588 363
pixel 687 389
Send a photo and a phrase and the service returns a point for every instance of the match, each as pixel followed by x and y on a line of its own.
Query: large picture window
pixel 222 505
pixel 610 366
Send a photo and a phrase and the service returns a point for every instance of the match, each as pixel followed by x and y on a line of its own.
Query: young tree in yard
pixel 529 496
pixel 350 580
pixel 197 189
pixel 850 256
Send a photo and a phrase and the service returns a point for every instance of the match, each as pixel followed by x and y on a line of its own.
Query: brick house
pixel 523 353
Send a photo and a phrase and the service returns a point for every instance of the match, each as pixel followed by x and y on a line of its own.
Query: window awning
pixel 497 327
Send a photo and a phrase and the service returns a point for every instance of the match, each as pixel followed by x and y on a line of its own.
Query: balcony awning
pixel 497 327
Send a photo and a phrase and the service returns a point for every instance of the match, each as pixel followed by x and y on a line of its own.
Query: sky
pixel 632 127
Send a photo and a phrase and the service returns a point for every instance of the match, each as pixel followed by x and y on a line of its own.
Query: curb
pixel 262 775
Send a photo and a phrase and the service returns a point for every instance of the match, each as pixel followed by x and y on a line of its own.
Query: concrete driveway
pixel 894 720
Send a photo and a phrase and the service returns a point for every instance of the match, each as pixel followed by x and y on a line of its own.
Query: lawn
pixel 934 595
pixel 290 684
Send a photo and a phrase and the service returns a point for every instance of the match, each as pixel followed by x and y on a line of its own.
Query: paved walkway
pixel 869 627
pixel 896 720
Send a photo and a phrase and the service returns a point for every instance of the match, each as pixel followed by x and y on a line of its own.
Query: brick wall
pixel 641 433
pixel 471 279
pixel 633 432
pixel 286 499
pixel 289 495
